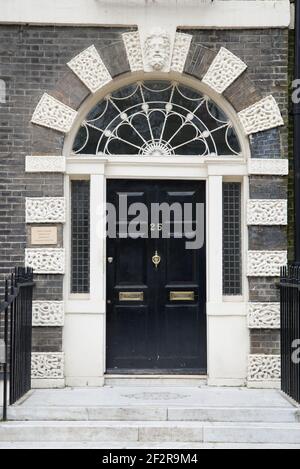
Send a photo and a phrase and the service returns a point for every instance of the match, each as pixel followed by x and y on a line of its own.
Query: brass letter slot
pixel 182 296
pixel 131 296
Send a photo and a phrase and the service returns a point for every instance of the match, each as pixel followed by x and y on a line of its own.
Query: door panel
pixel 179 339
pixel 130 269
pixel 181 263
pixel 158 323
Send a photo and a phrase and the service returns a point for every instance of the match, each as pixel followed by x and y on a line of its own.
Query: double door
pixel 156 321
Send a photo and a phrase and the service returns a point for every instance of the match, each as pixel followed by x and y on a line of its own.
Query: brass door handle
pixel 156 259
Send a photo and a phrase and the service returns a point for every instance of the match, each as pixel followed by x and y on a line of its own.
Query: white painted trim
pixel 214 239
pixel 186 13
pixel 78 306
pixel 97 238
pixel 129 167
pixel 226 308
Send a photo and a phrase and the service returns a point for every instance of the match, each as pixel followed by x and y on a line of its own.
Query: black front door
pixel 156 319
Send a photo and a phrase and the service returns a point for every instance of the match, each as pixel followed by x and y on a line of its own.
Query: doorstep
pixel 154 380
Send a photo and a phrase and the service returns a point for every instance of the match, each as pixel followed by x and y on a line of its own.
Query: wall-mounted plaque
pixel 44 235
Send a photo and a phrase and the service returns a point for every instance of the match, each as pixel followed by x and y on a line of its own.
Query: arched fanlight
pixel 157 118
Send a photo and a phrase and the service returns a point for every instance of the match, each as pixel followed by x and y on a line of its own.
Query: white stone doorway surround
pixel 84 330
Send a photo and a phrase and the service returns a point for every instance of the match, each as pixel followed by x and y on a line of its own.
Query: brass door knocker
pixel 156 259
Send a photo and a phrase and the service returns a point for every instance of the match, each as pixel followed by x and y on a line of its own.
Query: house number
pixel 156 226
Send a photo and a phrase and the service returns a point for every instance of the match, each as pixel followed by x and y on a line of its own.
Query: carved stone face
pixel 157 49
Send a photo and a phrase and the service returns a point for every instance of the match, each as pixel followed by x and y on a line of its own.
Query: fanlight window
pixel 156 118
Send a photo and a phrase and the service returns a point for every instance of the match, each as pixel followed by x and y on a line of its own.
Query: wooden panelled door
pixel 156 318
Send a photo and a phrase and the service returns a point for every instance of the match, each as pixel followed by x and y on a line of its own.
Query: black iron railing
pixel 290 331
pixel 15 335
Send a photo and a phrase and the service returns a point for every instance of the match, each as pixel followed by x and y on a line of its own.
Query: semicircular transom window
pixel 157 118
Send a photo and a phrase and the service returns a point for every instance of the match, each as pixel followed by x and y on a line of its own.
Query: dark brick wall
pixel 48 287
pixel 265 341
pixel 269 238
pixel 263 289
pixel 267 187
pixel 47 339
pixel 266 144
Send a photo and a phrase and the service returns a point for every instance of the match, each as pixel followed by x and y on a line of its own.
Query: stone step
pixel 154 413
pixel 156 380
pixel 117 431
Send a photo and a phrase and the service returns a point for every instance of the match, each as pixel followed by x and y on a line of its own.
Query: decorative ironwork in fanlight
pixel 157 118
